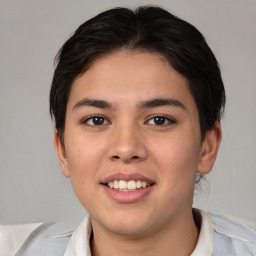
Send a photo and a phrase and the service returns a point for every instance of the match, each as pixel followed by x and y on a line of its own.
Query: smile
pixel 130 185
pixel 127 187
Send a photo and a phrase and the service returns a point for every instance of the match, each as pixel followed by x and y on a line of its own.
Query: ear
pixel 209 150
pixel 61 153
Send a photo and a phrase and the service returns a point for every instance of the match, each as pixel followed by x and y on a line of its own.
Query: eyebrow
pixel 158 102
pixel 152 103
pixel 92 103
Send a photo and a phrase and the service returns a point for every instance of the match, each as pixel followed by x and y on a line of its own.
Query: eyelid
pixel 169 118
pixel 86 119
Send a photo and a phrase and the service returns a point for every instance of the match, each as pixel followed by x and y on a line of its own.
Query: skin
pixel 130 140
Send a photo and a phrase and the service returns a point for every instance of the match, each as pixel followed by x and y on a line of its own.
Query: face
pixel 132 143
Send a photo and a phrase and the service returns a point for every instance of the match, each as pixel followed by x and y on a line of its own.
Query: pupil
pixel 98 120
pixel 159 120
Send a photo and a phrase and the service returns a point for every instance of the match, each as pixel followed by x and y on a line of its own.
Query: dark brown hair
pixel 147 28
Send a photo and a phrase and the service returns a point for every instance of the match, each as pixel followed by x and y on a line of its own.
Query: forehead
pixel 130 73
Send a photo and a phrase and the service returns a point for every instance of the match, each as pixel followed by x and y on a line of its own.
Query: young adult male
pixel 137 98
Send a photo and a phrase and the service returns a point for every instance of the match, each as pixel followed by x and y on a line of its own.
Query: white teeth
pixel 138 185
pixel 123 184
pixel 143 184
pixel 132 184
pixel 116 184
pixel 111 184
pixel 127 185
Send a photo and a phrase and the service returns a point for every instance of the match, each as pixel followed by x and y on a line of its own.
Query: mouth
pixel 127 182
pixel 128 185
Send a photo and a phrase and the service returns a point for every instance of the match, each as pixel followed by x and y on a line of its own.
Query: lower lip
pixel 127 196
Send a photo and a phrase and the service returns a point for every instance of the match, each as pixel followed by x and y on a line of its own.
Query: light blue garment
pixel 219 236
pixel 45 246
pixel 232 238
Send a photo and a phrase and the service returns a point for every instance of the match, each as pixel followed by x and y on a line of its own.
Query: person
pixel 137 99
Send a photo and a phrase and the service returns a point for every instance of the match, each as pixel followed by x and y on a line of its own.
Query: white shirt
pixel 218 236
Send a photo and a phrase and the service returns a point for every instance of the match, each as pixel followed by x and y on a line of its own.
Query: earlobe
pixel 210 148
pixel 61 153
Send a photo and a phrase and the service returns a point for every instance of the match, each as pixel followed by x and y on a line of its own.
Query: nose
pixel 127 145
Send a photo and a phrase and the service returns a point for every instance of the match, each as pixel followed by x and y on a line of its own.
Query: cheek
pixel 84 155
pixel 177 160
pixel 178 157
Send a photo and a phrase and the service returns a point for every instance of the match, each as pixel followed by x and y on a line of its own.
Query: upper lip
pixel 126 177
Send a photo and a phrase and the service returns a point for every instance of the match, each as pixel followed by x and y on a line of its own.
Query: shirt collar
pixel 79 243
pixel 205 243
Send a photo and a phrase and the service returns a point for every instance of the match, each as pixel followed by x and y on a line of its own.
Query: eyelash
pixel 165 118
pixel 105 121
pixel 93 118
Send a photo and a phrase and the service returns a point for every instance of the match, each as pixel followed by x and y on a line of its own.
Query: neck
pixel 178 237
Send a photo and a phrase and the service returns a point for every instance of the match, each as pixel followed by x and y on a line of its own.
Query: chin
pixel 128 225
pixel 131 230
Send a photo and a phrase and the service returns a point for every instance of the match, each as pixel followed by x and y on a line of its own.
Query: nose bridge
pixel 127 143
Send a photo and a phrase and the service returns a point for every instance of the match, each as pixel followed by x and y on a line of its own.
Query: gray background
pixel 32 187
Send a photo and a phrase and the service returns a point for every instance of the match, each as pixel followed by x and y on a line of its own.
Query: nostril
pixel 132 158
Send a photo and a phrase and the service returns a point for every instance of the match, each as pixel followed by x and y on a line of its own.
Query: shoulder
pixel 41 243
pixel 232 237
pixel 46 246
pixel 69 243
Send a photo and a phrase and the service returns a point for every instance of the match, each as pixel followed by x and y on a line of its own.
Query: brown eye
pixel 98 120
pixel 160 120
pixel 95 121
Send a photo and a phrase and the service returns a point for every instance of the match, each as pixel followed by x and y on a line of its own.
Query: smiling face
pixel 133 144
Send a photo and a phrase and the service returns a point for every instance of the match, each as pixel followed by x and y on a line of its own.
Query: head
pixel 150 29
pixel 136 96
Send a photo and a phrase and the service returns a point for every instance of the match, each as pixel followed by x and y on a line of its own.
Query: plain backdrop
pixel 32 187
